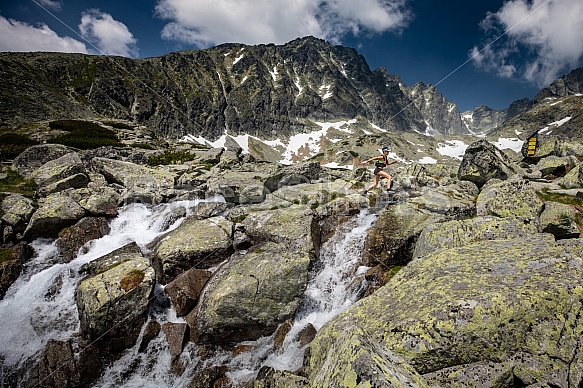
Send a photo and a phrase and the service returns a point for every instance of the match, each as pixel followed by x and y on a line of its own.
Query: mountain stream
pixel 41 306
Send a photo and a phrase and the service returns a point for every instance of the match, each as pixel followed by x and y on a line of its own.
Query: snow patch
pixel 427 160
pixel 274 73
pixel 509 143
pixel 453 148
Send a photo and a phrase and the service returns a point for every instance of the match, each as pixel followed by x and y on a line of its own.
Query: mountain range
pixel 269 92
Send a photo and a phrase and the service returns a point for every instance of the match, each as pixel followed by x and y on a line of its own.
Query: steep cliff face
pixel 484 119
pixel 569 84
pixel 261 90
pixel 440 115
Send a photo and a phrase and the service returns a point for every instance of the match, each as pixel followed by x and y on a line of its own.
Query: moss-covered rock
pixel 17 211
pixel 513 198
pixel 515 301
pixel 456 233
pixel 291 227
pixel 195 243
pixel 113 299
pixel 251 295
pixel 358 360
pixel 54 213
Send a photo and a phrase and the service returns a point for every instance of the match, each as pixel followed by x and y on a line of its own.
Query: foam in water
pixel 40 305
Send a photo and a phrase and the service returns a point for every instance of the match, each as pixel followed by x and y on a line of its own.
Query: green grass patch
pixel 170 157
pixel 84 135
pixel 7 255
pixel 12 144
pixel 14 183
pixel 566 199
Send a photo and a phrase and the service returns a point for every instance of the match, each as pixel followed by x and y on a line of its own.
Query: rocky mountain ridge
pixel 263 90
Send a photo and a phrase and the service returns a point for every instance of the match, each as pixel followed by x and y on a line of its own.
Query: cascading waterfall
pixel 40 305
pixel 329 292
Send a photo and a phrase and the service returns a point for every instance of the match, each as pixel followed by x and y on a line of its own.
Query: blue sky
pixel 487 52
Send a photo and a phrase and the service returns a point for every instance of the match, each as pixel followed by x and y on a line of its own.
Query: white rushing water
pixel 331 291
pixel 40 305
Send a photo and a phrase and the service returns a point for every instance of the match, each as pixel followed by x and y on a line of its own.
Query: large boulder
pixel 560 220
pixel 185 290
pixel 513 198
pixel 455 200
pixel 17 211
pixel 98 200
pixel 457 233
pixel 195 243
pixel 62 173
pixel 72 238
pixel 574 178
pixel 113 299
pixel 508 305
pixel 483 161
pixel 556 165
pixel 391 240
pixel 249 296
pixel 55 212
pixel 35 156
pixel 238 186
pixel 291 227
pixel 142 184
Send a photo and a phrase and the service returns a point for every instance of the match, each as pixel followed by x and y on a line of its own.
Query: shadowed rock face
pixel 259 90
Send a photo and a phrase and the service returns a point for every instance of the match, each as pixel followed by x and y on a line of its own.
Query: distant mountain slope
pixel 484 119
pixel 263 90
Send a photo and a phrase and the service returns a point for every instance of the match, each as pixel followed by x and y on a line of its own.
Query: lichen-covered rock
pixel 313 193
pixel 34 157
pixel 71 182
pixel 194 244
pixel 99 200
pixel 484 161
pixel 113 300
pixel 17 211
pixel 391 240
pixel 574 178
pixel 514 301
pixel 513 198
pixel 238 186
pixel 142 184
pixel 356 359
pixel 271 378
pixel 291 227
pixel 559 220
pixel 556 165
pixel 55 212
pixel 71 239
pixel 455 233
pixel 456 200
pixel 58 170
pixel 251 295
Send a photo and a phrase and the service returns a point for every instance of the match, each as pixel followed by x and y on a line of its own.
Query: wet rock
pixel 194 244
pixel 150 332
pixel 484 161
pixel 249 296
pixel 208 377
pixel 281 333
pixel 113 302
pixel 177 336
pixel 10 268
pixel 71 239
pixel 306 335
pixel 185 290
pixel 453 308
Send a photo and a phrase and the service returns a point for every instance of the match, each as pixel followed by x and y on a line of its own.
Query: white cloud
pixel 547 32
pixel 19 36
pixel 52 4
pixel 207 22
pixel 110 36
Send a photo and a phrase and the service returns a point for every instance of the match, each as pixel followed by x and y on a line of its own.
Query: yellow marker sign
pixel 531 146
